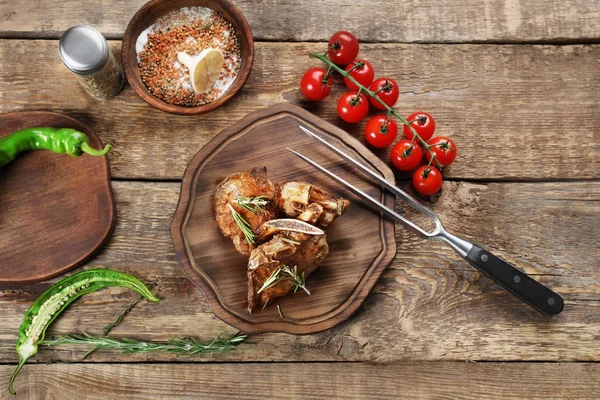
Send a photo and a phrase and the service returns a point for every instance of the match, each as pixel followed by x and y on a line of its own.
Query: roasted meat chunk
pixel 282 252
pixel 310 203
pixel 253 197
pixel 281 265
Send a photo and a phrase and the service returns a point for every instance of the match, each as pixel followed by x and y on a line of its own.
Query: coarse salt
pixel 141 41
pixel 158 45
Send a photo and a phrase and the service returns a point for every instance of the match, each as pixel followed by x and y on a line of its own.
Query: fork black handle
pixel 518 283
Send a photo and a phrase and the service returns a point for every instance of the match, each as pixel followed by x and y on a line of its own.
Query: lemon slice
pixel 205 68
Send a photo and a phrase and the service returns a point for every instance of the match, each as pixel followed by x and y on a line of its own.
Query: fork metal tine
pixel 370 200
pixel 506 275
pixel 392 188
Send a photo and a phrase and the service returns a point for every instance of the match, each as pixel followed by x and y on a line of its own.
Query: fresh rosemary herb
pixel 50 304
pixel 271 281
pixel 279 311
pixel 285 273
pixel 254 204
pixel 243 225
pixel 128 346
pixel 299 281
pixel 120 317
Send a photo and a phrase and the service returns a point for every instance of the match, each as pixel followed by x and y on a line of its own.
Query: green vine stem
pixel 363 89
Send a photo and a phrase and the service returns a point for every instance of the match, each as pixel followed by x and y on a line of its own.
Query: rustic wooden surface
pixel 506 107
pixel 432 21
pixel 525 183
pixel 286 381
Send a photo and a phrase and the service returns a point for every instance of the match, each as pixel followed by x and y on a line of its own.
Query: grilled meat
pixel 293 250
pixel 310 203
pixel 246 184
pixel 287 250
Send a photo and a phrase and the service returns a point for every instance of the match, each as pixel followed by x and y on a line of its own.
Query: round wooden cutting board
pixel 361 242
pixel 56 211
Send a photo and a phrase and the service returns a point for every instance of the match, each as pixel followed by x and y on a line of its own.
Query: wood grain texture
pixel 386 20
pixel 156 9
pixel 56 211
pixel 508 108
pixel 429 305
pixel 448 380
pixel 361 244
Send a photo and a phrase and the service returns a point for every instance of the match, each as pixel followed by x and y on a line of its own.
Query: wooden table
pixel 514 83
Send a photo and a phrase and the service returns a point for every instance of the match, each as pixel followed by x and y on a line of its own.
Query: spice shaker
pixel 85 52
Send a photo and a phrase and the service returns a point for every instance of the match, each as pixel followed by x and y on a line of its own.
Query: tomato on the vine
pixel 406 155
pixel 421 122
pixel 343 48
pixel 362 71
pixel 444 150
pixel 351 107
pixel 380 131
pixel 387 90
pixel 427 180
pixel 312 86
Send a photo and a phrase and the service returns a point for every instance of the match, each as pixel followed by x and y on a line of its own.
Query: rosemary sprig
pixel 128 346
pixel 254 204
pixel 299 281
pixel 271 281
pixel 243 225
pixel 120 317
pixel 285 273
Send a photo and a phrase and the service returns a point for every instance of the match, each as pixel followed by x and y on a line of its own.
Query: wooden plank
pixel 428 306
pixel 452 380
pixel 508 108
pixel 385 21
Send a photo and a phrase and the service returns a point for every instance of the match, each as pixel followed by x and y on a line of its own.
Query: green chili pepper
pixel 64 140
pixel 54 300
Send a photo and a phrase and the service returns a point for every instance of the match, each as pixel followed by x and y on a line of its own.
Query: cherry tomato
pixel 381 132
pixel 352 108
pixel 444 150
pixel 423 123
pixel 343 48
pixel 427 180
pixel 406 155
pixel 312 86
pixel 362 71
pixel 388 91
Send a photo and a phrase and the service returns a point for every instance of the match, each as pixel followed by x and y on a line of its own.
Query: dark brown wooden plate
pixel 56 211
pixel 155 9
pixel 362 243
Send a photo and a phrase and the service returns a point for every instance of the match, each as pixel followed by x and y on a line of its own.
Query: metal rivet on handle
pixel 551 301
pixel 484 257
pixel 517 279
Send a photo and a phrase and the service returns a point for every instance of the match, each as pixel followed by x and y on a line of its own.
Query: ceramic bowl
pixel 155 9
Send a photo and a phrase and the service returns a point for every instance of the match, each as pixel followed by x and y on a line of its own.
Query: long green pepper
pixel 59 140
pixel 58 297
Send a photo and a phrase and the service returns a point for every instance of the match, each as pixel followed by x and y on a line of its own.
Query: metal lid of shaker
pixel 83 49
